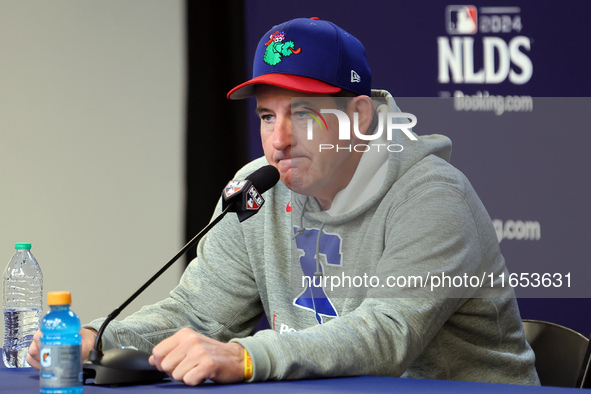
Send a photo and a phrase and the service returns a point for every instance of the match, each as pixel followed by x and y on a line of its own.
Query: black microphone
pixel 128 365
pixel 244 197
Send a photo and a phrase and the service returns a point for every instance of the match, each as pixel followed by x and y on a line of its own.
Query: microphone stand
pixel 93 368
pixel 126 365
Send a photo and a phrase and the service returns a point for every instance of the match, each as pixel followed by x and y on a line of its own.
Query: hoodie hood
pixel 380 167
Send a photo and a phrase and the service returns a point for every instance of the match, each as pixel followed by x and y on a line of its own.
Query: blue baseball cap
pixel 309 56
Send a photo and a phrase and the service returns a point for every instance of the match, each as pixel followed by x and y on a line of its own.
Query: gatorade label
pixel 61 366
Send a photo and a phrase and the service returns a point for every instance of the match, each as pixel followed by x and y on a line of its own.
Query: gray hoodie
pixel 405 218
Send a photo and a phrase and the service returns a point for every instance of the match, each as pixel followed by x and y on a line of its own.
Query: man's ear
pixel 363 105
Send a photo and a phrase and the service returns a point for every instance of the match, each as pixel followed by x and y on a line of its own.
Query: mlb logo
pixel 254 200
pixel 233 187
pixel 461 19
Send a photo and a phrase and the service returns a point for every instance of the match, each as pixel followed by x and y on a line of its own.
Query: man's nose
pixel 282 133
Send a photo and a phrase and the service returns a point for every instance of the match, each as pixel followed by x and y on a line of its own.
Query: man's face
pixel 302 167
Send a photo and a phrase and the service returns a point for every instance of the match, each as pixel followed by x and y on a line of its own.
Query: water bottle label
pixel 60 366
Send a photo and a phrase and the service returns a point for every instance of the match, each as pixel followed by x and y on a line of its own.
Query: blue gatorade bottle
pixel 60 353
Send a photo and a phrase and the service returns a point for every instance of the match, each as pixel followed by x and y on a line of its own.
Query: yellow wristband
pixel 247 366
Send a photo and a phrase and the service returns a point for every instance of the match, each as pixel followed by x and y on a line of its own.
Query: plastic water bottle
pixel 22 305
pixel 60 355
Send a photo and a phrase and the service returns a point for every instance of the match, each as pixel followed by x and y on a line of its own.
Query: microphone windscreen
pixel 264 178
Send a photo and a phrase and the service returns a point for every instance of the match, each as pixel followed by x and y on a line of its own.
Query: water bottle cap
pixel 59 298
pixel 22 245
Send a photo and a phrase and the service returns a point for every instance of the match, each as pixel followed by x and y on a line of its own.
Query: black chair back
pixel 560 352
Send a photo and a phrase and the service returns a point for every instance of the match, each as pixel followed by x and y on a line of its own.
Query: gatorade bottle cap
pixel 59 298
pixel 22 245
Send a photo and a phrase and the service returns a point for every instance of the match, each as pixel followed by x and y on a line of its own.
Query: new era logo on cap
pixel 355 77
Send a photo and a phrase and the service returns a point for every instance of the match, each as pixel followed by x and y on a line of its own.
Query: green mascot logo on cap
pixel 277 48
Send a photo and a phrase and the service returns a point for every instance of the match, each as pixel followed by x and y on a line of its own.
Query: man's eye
pixel 301 115
pixel 267 118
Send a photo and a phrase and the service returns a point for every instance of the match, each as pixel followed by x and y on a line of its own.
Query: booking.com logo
pixel 390 120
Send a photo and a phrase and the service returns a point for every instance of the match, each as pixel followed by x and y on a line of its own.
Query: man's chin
pixel 295 180
pixel 285 178
pixel 297 186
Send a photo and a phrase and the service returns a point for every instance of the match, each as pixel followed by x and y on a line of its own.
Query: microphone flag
pixel 244 196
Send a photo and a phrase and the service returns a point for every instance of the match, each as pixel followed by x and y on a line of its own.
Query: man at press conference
pixel 337 212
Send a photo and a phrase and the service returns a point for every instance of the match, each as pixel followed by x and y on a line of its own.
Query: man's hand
pixel 193 358
pixel 88 337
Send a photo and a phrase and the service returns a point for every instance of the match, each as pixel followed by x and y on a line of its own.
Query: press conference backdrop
pixel 91 144
pixel 515 75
